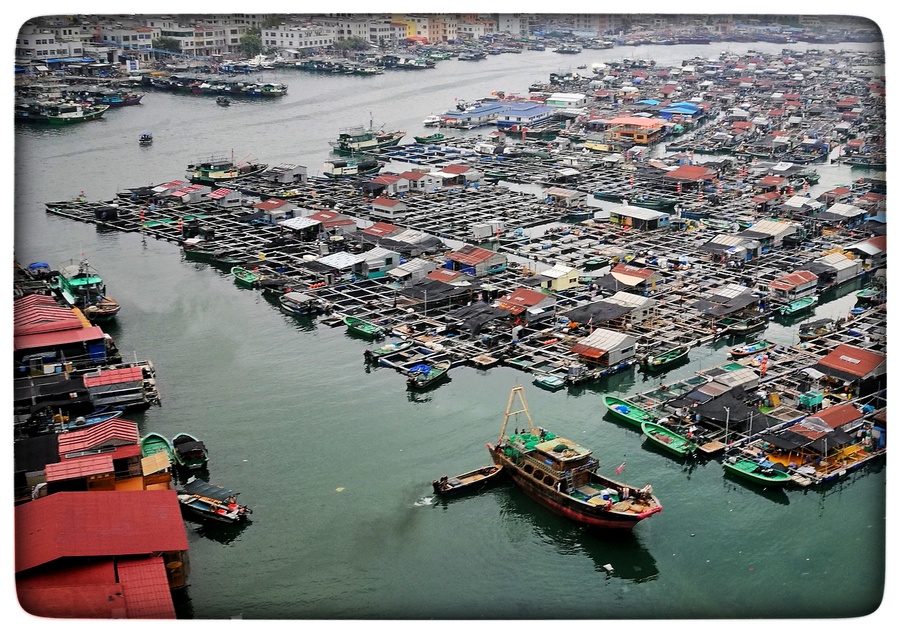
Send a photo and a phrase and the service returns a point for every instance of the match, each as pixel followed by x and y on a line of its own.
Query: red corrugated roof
pixel 524 297
pixel 270 204
pixel 221 192
pixel 113 376
pixel 57 339
pixel 772 181
pixel 34 314
pixel 456 169
pixel 385 202
pixel 786 282
pixel 99 523
pixel 115 432
pixel 853 360
pixel 470 255
pixel 690 172
pixel 381 229
pixel 135 588
pixel 839 415
pixel 632 271
pixel 587 351
pixel 79 467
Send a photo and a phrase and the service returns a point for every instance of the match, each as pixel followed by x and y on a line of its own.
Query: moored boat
pixel 431 120
pixel 153 443
pixel 223 101
pixel 815 329
pixel 218 170
pixel 145 139
pixel 664 360
pixel 207 502
pixel 246 277
pixel 563 476
pixel 766 474
pixel 550 382
pixel 360 139
pixel 302 304
pixel 189 452
pixel 80 286
pixel 798 305
pixel 364 328
pixel 757 347
pixel 63 423
pixel 390 349
pixel 668 439
pixel 432 138
pixel 628 411
pixel 68 113
pixel 425 375
pixel 869 295
pixel 471 481
pixel 348 168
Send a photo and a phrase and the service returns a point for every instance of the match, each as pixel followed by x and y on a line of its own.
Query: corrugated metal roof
pixel 113 376
pixel 55 339
pixel 115 432
pixel 97 523
pixel 79 467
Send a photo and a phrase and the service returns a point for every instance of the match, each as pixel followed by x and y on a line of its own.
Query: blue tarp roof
pixel 686 104
pixel 672 110
pixel 650 101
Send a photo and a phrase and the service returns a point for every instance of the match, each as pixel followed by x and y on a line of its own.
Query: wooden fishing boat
pixel 749 349
pixel 668 439
pixel 64 423
pixel 363 328
pixel 798 305
pixel 153 443
pixel 207 502
pixel 349 168
pixel 301 304
pixel 869 295
pixel 628 411
pixel 653 362
pixel 815 329
pixel 757 472
pixel 391 349
pixel 550 382
pixel 432 138
pixel 360 139
pixel 80 286
pixel 223 101
pixel 189 452
pixel 563 476
pixel 472 481
pixel 749 324
pixel 218 170
pixel 426 375
pixel 246 277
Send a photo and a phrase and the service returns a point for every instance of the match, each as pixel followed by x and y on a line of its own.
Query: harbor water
pixel 336 459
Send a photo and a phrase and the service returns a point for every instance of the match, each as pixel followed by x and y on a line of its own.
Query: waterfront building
pixel 605 347
pixel 297 37
pixel 852 369
pixel 475 261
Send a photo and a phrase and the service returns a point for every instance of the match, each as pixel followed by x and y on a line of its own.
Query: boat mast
pixel 520 391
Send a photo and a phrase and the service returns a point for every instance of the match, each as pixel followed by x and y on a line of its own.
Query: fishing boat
pixel 748 324
pixel 869 295
pixel 386 351
pixel 472 481
pixel 764 473
pixel 433 138
pixel 223 101
pixel 668 439
pixel 364 328
pixel 189 452
pixel 654 362
pixel 207 502
pixel 431 120
pixel 68 113
pixel 550 382
pixel 654 202
pixel 628 411
pixel 749 349
pixel 563 476
pixel 218 170
pixel 80 286
pixel 246 277
pixel 349 168
pixel 301 304
pixel 361 139
pixel 145 139
pixel 153 443
pixel 798 305
pixel 815 329
pixel 63 423
pixel 426 375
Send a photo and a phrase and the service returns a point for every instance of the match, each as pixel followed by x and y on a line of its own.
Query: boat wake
pixel 424 501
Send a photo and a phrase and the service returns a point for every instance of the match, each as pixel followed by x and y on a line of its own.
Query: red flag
pixel 620 469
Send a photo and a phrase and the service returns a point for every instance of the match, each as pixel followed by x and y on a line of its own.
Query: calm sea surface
pixel 336 460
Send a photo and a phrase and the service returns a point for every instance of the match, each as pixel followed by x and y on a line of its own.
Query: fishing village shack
pixel 800 207
pixel 455 175
pixel 306 229
pixel 472 117
pixel 725 301
pixel 421 180
pixel 335 224
pixel 567 198
pixel 689 177
pixel 842 214
pixel 412 271
pixel 408 242
pixel 388 208
pixel 794 285
pixel 872 251
pixel 101 555
pixel 834 269
pixel 189 194
pixel 48 338
pixel 527 305
pixel 619 311
pixel 274 210
pixel 639 218
pixel 566 100
pixel 225 198
pixel 475 261
pixel 96 458
pixel 558 278
pixel 336 267
pixel 770 233
pixel 387 185
pixel 133 386
pixel 731 249
pixel 285 174
pixel 852 371
pixel 623 276
pixel 634 129
pixel 519 116
pixel 605 348
pixel 377 262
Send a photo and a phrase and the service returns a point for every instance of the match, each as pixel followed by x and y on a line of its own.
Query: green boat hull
pixel 668 440
pixel 628 411
pixel 752 471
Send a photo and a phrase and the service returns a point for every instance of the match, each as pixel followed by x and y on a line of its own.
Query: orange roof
pixel 786 282
pixel 690 172
pixel 839 415
pixel 853 360
pixel 113 376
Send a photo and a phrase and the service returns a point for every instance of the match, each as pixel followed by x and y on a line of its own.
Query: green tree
pixel 351 44
pixel 250 44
